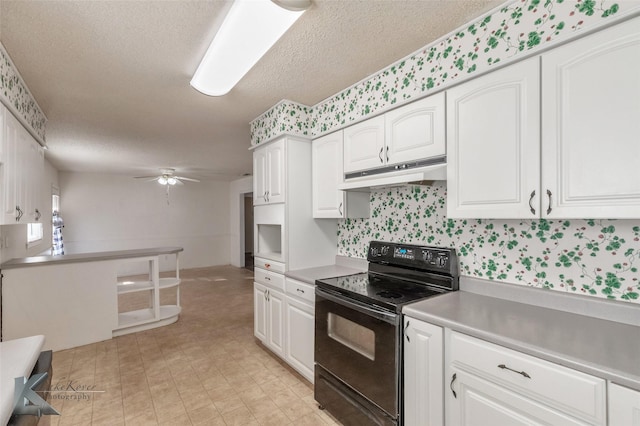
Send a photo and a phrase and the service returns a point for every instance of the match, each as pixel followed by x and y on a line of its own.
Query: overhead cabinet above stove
pixel 409 140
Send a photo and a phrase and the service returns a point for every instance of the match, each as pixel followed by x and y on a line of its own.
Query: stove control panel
pixel 418 257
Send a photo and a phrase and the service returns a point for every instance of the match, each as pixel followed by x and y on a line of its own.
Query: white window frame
pixel 35 234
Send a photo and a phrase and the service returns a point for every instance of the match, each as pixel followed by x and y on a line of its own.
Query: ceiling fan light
pixel 172 181
pixel 162 180
pixel 250 29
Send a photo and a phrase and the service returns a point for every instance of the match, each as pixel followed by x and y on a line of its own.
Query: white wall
pixel 16 235
pixel 111 212
pixel 236 211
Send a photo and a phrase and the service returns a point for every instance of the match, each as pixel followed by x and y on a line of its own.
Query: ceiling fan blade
pixel 186 178
pixel 146 177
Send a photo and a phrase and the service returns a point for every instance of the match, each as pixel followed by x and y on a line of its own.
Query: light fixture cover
pixel 247 33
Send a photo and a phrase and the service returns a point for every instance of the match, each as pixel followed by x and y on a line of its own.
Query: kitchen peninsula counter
pixel 73 299
pixel 87 257
pixel 597 337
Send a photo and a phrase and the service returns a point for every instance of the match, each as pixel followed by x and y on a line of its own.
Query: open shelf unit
pixel 155 315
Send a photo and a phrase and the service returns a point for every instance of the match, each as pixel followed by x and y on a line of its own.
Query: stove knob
pixel 385 250
pixel 442 261
pixel 374 251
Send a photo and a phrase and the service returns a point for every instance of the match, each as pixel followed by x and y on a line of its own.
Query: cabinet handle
pixel 340 209
pixel 20 213
pixel 38 215
pixel 533 194
pixel 453 379
pixel 380 155
pixel 267 278
pixel 387 154
pixel 549 195
pixel 522 373
pixel 266 295
pixel 300 290
pixel 405 332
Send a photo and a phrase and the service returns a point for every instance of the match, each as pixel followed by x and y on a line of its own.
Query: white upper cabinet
pixel 584 164
pixel 591 125
pixel 269 173
pixel 364 145
pixel 416 131
pixel 493 144
pixel 413 132
pixel 22 172
pixel 327 174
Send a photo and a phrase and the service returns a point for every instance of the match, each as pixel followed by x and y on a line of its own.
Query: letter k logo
pixel 24 394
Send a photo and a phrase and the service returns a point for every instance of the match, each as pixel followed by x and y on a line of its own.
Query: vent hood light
pixel 247 33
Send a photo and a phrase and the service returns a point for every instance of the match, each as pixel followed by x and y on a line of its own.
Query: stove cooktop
pixel 382 290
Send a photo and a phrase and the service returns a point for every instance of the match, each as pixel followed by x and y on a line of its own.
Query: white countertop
pixel 17 358
pixel 343 266
pixel 596 346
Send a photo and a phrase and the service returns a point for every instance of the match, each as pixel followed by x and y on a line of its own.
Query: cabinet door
pixel 260 176
pixel 416 131
pixel 327 173
pixel 260 311
pixel 493 144
pixel 276 172
pixel 624 406
pixel 423 371
pixel 275 314
pixel 364 145
pixel 472 400
pixel 300 319
pixel 590 111
pixel 11 185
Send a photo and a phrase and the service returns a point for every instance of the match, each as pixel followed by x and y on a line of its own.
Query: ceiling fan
pixel 167 177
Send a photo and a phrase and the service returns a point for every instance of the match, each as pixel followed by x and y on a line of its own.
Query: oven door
pixel 359 344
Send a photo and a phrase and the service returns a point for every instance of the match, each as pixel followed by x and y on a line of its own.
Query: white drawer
pixel 269 265
pixel 300 290
pixel 269 278
pixel 571 391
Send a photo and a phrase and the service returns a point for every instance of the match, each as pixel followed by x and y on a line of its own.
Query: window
pixel 34 234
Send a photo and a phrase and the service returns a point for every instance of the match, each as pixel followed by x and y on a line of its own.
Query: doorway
pixel 248 231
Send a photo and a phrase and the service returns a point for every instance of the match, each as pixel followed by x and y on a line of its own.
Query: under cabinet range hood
pixel 425 170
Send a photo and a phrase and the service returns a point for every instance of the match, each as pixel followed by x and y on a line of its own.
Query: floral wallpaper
pixel 286 117
pixel 593 257
pixel 517 28
pixel 15 93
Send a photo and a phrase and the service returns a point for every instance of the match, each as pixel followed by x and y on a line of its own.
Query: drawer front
pixel 269 278
pixel 301 290
pixel 269 265
pixel 571 391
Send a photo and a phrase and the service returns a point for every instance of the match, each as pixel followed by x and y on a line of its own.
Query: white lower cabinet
pixel 489 384
pixel 268 303
pixel 284 319
pixel 299 327
pixel 624 406
pixel 423 373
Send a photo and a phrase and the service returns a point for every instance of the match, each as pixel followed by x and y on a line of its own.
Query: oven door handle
pixel 371 311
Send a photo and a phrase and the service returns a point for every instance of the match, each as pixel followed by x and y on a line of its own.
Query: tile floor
pixel 206 369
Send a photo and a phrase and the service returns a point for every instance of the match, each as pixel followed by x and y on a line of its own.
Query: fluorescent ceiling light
pixel 247 33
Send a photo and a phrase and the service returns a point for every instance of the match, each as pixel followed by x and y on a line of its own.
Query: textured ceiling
pixel 113 77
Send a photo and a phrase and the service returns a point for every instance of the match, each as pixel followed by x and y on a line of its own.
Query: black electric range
pixel 399 274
